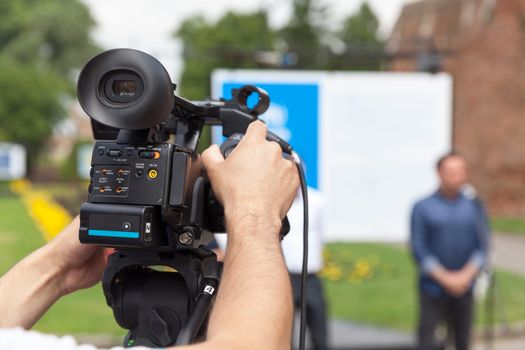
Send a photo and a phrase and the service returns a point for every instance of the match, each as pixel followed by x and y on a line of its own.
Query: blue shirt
pixel 449 233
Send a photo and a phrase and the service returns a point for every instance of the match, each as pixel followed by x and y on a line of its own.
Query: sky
pixel 147 25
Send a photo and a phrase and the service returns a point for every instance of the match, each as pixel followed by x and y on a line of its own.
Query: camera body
pixel 147 188
pixel 135 189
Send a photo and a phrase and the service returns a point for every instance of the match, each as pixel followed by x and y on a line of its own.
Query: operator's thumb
pixel 212 157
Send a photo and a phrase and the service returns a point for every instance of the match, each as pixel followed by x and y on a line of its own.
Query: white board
pixel 12 161
pixel 379 136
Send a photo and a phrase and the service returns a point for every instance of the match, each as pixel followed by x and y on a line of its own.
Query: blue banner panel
pixel 293 115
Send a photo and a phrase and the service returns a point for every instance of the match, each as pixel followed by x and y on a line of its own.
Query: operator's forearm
pixel 29 289
pixel 255 294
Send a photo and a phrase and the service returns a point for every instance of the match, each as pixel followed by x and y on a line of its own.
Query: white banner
pixel 12 161
pixel 377 137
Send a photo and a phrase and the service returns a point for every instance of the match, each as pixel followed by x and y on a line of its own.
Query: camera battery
pixel 114 225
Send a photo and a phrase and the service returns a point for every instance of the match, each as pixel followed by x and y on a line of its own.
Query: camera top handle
pixel 234 115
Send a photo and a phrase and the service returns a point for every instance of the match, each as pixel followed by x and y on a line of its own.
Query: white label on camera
pixel 148 227
pixel 209 290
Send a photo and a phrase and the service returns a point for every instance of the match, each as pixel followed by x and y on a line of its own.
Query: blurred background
pixel 369 92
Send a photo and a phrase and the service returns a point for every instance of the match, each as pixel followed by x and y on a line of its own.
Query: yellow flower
pixel 332 272
pixel 49 216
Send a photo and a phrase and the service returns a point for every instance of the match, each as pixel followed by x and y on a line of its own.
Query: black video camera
pixel 147 186
pixel 149 196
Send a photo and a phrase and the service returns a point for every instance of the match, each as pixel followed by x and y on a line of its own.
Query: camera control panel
pixel 129 174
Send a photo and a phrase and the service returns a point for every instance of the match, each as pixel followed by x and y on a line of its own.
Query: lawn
pixel 386 296
pixel 508 225
pixel 81 312
pixel 367 283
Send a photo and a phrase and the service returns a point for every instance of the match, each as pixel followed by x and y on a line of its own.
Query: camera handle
pixel 157 306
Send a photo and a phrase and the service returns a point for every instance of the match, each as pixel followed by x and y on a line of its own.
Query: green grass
pixel 385 297
pixel 18 234
pixel 388 298
pixel 508 225
pixel 82 312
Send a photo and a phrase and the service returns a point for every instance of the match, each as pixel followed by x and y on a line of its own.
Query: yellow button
pixel 152 173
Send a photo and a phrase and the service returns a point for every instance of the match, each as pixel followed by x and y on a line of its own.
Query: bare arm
pixel 257 186
pixel 253 307
pixel 60 267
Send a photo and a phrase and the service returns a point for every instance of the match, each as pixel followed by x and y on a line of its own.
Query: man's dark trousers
pixel 315 308
pixel 456 311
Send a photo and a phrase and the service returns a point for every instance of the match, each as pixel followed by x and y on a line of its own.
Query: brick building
pixel 482 44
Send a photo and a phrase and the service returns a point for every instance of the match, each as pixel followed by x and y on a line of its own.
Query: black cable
pixel 304 191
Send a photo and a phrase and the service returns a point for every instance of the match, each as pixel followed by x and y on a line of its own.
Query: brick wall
pixel 483 43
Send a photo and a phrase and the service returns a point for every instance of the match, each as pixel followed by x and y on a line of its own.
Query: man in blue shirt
pixel 449 239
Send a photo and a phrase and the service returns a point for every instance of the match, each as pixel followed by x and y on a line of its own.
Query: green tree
pixel 303 35
pixel 41 44
pixel 363 50
pixel 30 104
pixel 361 28
pixel 50 34
pixel 308 35
pixel 232 42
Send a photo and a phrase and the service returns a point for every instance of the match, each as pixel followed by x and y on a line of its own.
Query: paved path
pixel 503 344
pixel 508 252
pixel 345 335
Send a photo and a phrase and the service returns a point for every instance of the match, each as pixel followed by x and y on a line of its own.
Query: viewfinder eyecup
pixel 126 89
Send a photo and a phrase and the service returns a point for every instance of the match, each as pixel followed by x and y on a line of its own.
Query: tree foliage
pixel 41 43
pixel 361 28
pixel 235 40
pixel 363 50
pixel 229 43
pixel 50 34
pixel 304 35
pixel 29 104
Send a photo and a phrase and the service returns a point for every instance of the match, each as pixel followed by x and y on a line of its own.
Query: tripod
pixel 161 307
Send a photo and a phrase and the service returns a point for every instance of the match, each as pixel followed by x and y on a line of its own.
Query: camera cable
pixel 304 192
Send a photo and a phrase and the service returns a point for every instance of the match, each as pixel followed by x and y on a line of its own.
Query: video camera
pixel 149 197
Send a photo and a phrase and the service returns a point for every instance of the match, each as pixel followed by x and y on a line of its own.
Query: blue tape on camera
pixel 111 233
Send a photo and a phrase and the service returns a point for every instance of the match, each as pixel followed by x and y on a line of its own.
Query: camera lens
pixel 124 87
pixel 121 87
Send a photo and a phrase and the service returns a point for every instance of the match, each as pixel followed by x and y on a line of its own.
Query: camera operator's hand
pixel 58 268
pixel 81 265
pixel 256 185
pixel 255 179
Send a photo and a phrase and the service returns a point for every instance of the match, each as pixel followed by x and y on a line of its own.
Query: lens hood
pixel 126 89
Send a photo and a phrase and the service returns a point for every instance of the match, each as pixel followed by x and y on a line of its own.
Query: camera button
pixel 139 172
pixel 114 153
pixel 149 154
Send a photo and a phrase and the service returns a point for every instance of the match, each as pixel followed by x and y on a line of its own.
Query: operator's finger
pixel 257 130
pixel 212 156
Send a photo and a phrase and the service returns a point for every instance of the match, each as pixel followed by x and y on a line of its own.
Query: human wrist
pixel 252 220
